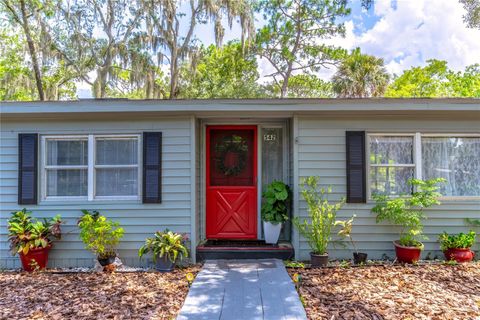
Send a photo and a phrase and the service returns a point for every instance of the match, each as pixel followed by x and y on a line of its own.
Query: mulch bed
pixel 140 295
pixel 392 292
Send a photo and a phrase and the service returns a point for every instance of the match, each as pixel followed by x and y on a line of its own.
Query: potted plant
pixel 274 211
pixel 457 247
pixel 346 232
pixel 100 235
pixel 166 247
pixel 407 212
pixel 318 229
pixel 32 239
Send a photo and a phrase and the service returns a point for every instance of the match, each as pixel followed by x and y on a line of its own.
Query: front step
pixel 232 249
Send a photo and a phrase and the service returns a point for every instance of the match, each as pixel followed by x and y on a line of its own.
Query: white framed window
pixel 394 158
pixel 91 167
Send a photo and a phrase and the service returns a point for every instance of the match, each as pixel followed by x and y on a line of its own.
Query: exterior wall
pixel 139 220
pixel 320 151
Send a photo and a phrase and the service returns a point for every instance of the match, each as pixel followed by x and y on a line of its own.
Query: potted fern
pixel 274 210
pixel 318 229
pixel 32 239
pixel 166 247
pixel 100 235
pixel 407 212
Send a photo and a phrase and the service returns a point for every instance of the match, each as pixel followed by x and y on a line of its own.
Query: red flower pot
pixel 407 254
pixel 459 255
pixel 35 257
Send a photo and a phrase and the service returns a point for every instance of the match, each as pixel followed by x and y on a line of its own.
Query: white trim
pixel 259 180
pixel 417 155
pixel 193 191
pixel 295 187
pixel 91 166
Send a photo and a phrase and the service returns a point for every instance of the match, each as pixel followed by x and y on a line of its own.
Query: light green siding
pixel 320 146
pixel 139 220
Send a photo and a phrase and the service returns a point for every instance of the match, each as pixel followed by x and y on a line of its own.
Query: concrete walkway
pixel 243 289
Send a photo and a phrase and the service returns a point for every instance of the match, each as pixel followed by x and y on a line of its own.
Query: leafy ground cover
pixel 138 295
pixel 434 291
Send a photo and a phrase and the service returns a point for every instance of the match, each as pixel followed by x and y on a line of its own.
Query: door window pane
pixel 67 182
pixel 272 155
pixel 457 159
pixel 231 157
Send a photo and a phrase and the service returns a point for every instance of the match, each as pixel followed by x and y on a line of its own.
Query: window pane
pixel 391 150
pixel 116 151
pixel 457 160
pixel 116 182
pixel 272 155
pixel 67 182
pixel 390 180
pixel 67 152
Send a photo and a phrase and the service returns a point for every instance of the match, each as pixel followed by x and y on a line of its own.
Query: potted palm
pixel 166 247
pixel 32 239
pixel 322 218
pixel 274 211
pixel 100 235
pixel 457 247
pixel 346 232
pixel 407 212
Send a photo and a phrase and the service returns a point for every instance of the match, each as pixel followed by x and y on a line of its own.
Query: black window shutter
pixel 356 173
pixel 27 168
pixel 152 167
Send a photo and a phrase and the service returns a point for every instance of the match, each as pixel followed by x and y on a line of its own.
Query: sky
pixel 404 33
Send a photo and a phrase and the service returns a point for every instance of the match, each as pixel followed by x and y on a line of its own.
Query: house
pixel 198 167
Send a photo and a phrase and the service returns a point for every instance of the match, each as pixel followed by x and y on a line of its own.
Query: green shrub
pixel 322 215
pixel 276 202
pixel 166 243
pixel 407 211
pixel 25 232
pixel 100 235
pixel 456 241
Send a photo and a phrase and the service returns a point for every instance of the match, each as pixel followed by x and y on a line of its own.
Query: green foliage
pixel 360 76
pixel 322 215
pixel 221 72
pixel 345 231
pixel 294 264
pixel 473 222
pixel 100 235
pixel 456 241
pixel 436 80
pixel 407 211
pixel 303 86
pixel 26 232
pixel 291 37
pixel 472 17
pixel 276 201
pixel 165 243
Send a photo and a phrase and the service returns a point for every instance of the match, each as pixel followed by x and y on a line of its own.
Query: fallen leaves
pixel 392 292
pixel 139 295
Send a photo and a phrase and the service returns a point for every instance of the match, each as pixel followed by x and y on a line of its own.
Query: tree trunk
pixel 173 75
pixel 32 51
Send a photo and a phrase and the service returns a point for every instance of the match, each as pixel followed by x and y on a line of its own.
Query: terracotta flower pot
pixel 459 254
pixel 35 259
pixel 407 254
pixel 318 260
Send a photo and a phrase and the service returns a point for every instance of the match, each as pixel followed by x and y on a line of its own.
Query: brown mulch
pixel 141 295
pixel 392 292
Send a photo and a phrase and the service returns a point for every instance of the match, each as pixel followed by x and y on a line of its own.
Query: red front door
pixel 231 182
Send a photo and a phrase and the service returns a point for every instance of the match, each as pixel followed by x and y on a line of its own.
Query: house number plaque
pixel 269 137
